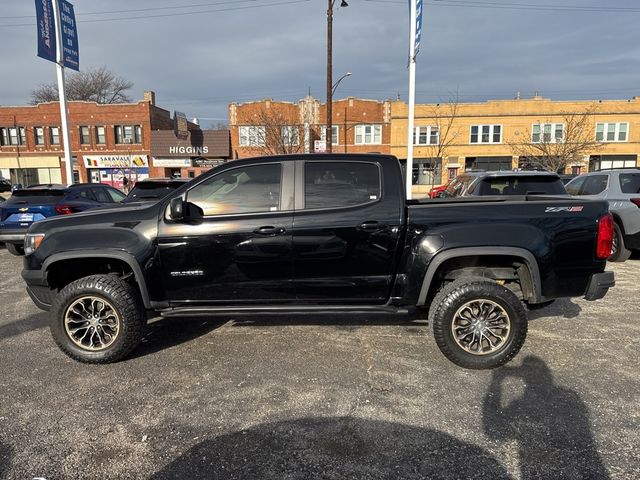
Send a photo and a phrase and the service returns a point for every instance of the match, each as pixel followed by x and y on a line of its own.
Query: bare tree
pixel 442 134
pixel 98 85
pixel 555 143
pixel 274 131
pixel 218 126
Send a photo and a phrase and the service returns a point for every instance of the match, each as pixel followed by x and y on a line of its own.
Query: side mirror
pixel 176 208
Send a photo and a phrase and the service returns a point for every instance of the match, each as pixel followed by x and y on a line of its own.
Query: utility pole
pixel 61 93
pixel 329 126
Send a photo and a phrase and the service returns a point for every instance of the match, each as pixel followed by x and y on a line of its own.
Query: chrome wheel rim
pixel 481 327
pixel 614 245
pixel 92 323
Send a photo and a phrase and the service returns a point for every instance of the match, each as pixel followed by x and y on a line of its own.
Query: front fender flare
pixel 115 254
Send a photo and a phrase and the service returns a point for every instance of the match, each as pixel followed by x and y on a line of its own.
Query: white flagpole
pixel 412 98
pixel 61 93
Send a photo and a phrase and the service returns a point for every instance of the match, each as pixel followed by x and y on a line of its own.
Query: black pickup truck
pixel 317 234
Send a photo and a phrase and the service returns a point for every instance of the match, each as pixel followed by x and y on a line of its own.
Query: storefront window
pixel 427 171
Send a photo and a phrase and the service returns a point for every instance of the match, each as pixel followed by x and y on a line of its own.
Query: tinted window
pixel 574 186
pixel 522 185
pixel 594 185
pixel 630 182
pixel 36 196
pixel 340 184
pixel 457 186
pixel 116 195
pixel 241 190
pixel 152 190
pixel 101 195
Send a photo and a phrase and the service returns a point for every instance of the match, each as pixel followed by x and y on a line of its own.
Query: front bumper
pixel 38 289
pixel 599 285
pixel 13 235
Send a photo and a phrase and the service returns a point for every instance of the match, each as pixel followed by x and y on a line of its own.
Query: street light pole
pixel 328 135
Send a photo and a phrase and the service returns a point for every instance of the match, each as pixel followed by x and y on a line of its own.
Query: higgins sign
pixel 190 150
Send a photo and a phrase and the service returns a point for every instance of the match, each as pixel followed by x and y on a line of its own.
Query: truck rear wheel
pixel 98 319
pixel 477 323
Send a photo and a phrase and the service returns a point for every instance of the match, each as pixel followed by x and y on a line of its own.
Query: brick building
pixel 497 134
pixel 268 127
pixel 108 142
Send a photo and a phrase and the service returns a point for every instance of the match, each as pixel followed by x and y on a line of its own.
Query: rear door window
pixel 341 184
pixel 101 195
pixel 595 184
pixel 630 182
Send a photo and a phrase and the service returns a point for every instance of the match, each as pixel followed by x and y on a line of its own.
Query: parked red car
pixel 436 191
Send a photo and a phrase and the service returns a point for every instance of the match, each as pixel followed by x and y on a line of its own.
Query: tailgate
pixel 28 206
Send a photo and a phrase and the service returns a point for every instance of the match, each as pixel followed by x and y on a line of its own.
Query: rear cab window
pixel 341 184
pixel 630 182
pixel 522 185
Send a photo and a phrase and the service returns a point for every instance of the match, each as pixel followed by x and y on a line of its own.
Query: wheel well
pixel 510 271
pixel 63 272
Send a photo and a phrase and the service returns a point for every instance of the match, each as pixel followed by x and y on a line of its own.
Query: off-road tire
pixel 122 296
pixel 453 296
pixel 621 253
pixel 13 249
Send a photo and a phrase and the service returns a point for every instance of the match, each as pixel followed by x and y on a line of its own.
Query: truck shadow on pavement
pixel 550 423
pixel 334 447
pixel 562 307
pixel 24 325
pixel 5 459
pixel 165 333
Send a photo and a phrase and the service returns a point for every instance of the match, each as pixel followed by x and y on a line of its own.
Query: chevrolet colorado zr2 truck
pixel 317 234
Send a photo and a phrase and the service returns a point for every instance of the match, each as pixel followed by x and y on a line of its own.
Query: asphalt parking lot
pixel 324 397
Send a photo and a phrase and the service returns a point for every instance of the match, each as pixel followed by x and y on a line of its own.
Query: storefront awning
pixel 29 162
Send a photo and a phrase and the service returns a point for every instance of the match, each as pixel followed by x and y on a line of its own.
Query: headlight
pixel 32 241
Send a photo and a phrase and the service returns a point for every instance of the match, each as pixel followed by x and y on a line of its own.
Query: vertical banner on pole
pixel 46 30
pixel 70 51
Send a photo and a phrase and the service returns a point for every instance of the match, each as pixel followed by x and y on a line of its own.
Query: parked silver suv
pixel 622 189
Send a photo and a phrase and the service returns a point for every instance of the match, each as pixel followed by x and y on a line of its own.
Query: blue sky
pixel 199 55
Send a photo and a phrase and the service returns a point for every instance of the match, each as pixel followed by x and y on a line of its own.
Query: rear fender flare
pixel 442 257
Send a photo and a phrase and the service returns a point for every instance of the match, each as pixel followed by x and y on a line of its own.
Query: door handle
pixel 370 226
pixel 269 230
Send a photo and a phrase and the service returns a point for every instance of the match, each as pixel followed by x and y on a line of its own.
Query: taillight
pixel 604 242
pixel 636 201
pixel 63 209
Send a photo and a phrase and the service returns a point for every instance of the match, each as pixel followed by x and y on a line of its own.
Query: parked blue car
pixel 41 201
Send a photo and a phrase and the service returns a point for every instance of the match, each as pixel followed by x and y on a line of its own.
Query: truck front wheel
pixel 477 323
pixel 98 319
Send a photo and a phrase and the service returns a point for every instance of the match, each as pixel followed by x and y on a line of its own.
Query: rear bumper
pixel 599 285
pixel 632 242
pixel 38 289
pixel 13 235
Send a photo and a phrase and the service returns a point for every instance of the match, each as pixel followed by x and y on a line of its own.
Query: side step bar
pixel 283 310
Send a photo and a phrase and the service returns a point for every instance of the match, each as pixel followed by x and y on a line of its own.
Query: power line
pixel 169 14
pixel 153 9
pixel 517 6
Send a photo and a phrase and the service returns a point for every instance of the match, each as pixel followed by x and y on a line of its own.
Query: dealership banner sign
pixel 116 161
pixel 70 50
pixel 46 30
